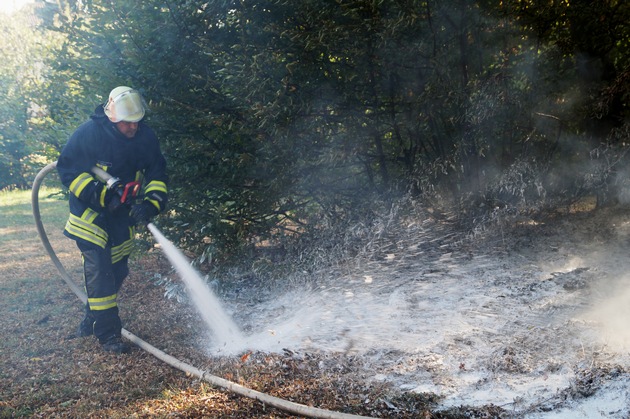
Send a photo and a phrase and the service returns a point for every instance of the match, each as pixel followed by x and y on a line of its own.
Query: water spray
pixel 225 332
pixel 233 334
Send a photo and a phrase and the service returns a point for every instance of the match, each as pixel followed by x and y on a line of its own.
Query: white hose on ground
pixel 44 237
pixel 285 405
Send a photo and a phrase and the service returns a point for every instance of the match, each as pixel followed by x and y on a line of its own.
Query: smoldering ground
pixel 515 320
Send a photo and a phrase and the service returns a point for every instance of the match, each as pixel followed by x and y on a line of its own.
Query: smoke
pixel 610 316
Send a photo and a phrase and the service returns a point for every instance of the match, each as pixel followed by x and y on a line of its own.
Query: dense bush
pixel 281 118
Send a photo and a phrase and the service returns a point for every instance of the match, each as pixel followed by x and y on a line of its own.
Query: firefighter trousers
pixel 103 280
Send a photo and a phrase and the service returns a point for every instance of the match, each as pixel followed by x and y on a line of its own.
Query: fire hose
pixel 267 399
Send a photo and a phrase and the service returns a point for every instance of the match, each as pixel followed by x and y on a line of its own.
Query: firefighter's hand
pixel 143 212
pixel 113 197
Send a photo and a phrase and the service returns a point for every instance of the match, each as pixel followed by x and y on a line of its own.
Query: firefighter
pixel 116 140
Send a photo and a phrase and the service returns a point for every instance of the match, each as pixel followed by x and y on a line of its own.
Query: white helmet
pixel 125 104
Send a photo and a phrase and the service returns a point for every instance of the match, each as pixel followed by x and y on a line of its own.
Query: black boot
pixel 86 328
pixel 107 328
pixel 116 345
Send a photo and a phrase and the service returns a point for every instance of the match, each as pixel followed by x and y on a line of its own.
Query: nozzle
pixel 112 182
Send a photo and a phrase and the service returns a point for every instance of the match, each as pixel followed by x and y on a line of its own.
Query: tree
pixel 286 116
pixel 27 49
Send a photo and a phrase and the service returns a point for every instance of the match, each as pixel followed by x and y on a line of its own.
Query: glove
pixel 143 212
pixel 110 197
pixel 113 197
pixel 93 194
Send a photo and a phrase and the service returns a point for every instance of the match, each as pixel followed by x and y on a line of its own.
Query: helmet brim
pixel 127 106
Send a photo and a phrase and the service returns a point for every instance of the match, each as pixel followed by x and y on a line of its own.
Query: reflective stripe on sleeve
pixel 155 186
pixel 78 184
pixel 101 199
pixel 155 193
pixel 155 203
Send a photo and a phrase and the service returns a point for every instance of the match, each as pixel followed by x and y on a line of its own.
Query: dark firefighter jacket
pixel 97 142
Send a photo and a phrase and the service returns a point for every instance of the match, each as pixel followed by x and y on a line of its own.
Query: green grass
pixel 16 211
pixel 19 198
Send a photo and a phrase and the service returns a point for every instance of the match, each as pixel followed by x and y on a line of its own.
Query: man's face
pixel 128 129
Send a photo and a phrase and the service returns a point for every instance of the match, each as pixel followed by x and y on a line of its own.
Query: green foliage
pixel 279 118
pixel 595 37
pixel 18 80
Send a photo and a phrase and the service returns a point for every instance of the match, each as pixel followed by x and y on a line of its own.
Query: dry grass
pixel 45 372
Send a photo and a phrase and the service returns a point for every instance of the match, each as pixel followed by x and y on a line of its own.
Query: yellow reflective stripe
pixel 119 252
pixel 156 185
pixel 78 184
pixel 101 198
pixel 89 215
pixel 85 235
pixel 155 203
pixel 86 222
pixel 102 303
pixel 83 228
